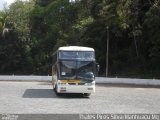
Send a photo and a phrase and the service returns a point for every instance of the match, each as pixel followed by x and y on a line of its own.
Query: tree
pixel 16 43
pixel 151 35
pixel 38 27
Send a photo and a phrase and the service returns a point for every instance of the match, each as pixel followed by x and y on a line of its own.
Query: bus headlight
pixel 58 82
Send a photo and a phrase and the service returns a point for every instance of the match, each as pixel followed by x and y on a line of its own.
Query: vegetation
pixel 31 31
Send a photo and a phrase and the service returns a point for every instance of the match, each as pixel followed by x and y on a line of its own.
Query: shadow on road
pixel 39 93
pixel 48 93
pixel 72 95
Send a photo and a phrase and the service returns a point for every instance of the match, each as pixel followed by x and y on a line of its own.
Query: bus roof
pixel 75 48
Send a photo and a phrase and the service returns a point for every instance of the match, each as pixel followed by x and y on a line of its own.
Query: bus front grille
pixel 72 83
pixel 81 83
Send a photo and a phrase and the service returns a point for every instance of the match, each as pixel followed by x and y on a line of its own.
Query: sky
pixel 2 2
pixel 8 2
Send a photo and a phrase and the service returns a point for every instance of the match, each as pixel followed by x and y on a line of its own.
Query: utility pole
pixel 107 51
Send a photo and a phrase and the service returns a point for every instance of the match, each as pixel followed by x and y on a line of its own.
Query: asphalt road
pixel 38 97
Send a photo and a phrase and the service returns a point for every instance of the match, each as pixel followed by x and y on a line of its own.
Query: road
pixel 38 97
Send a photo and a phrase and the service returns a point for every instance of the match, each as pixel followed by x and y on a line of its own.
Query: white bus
pixel 74 70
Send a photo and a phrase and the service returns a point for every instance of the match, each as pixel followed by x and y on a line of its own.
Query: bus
pixel 74 70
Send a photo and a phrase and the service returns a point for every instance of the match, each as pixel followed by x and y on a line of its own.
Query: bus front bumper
pixel 76 88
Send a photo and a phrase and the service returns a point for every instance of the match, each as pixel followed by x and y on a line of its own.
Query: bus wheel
pixel 55 89
pixel 86 94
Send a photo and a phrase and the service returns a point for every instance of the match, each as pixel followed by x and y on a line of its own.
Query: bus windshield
pixel 77 70
pixel 85 55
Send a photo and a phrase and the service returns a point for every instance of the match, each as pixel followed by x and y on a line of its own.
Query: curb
pixel 98 80
pixel 25 78
pixel 153 82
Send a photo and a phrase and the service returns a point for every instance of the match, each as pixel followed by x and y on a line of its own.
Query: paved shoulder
pixel 38 97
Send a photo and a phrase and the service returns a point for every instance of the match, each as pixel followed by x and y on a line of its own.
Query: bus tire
pixel 55 89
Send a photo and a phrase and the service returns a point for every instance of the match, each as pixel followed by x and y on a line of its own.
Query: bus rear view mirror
pixel 97 67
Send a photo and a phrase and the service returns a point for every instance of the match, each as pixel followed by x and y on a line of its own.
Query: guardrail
pixel 98 80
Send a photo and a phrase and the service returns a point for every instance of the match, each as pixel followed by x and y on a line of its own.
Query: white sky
pixel 9 1
pixel 6 1
pixel 2 2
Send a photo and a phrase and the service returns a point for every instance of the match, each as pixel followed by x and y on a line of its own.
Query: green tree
pixel 151 35
pixel 15 46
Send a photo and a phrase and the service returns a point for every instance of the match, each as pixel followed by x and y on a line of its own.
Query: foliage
pixel 38 27
pixel 15 40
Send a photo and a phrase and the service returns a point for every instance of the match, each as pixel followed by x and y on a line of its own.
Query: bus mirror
pixel 97 67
